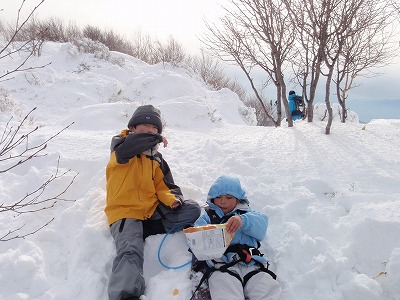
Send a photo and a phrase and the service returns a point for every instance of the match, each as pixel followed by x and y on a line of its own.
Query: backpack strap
pixel 225 268
pixel 246 278
pixel 215 219
pixel 209 270
pixel 262 268
pixel 205 277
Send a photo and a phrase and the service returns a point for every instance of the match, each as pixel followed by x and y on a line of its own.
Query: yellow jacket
pixel 137 181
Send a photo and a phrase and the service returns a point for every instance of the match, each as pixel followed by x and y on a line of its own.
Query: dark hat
pixel 292 92
pixel 146 114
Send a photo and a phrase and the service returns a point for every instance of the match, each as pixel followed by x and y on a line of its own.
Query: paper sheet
pixel 209 242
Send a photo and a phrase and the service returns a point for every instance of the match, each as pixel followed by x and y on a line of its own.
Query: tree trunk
pixel 327 101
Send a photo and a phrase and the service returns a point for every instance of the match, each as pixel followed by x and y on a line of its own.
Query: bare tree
pixel 226 44
pixel 210 70
pixel 52 29
pixel 339 36
pixel 273 36
pixel 15 150
pixel 396 6
pixel 349 20
pixel 256 34
pixel 73 32
pixel 92 32
pixel 170 52
pixel 338 15
pixel 367 47
pixel 142 47
pixel 30 46
pixel 261 118
pixel 309 20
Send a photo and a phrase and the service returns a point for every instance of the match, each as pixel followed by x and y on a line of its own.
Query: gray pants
pixel 127 279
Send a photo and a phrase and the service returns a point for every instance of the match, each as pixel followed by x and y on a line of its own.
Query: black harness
pixel 244 254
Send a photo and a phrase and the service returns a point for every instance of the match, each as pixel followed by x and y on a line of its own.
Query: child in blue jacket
pixel 296 114
pixel 242 272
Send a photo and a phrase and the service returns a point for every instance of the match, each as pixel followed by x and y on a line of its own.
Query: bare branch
pixel 33 198
pixel 19 68
pixel 19 26
pixel 10 142
pixel 15 145
pixel 31 46
pixel 10 234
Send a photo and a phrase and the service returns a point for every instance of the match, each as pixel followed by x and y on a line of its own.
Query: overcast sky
pixel 181 19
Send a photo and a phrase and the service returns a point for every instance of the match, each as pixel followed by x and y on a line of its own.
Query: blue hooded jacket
pixel 293 106
pixel 254 224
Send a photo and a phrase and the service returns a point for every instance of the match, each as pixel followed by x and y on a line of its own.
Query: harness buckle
pixel 254 251
pixel 243 252
pixel 247 254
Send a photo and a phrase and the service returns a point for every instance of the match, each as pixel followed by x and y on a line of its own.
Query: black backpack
pixel 300 107
pixel 299 102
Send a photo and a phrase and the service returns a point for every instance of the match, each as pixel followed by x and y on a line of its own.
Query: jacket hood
pixel 292 96
pixel 227 185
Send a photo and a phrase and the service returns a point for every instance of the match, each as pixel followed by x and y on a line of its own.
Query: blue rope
pixel 161 244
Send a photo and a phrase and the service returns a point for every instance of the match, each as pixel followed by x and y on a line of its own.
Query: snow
pixel 332 200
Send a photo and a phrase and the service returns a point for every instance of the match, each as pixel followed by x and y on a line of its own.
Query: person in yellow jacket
pixel 142 199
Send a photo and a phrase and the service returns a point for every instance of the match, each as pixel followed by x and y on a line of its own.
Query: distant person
pixel 294 108
pixel 242 272
pixel 142 199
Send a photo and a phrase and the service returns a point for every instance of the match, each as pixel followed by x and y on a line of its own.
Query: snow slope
pixel 332 200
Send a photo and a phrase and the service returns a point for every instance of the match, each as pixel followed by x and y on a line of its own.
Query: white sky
pixel 182 19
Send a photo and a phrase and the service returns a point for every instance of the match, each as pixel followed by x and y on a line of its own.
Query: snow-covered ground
pixel 333 201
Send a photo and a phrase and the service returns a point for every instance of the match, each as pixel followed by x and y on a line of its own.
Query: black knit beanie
pixel 146 114
pixel 292 92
